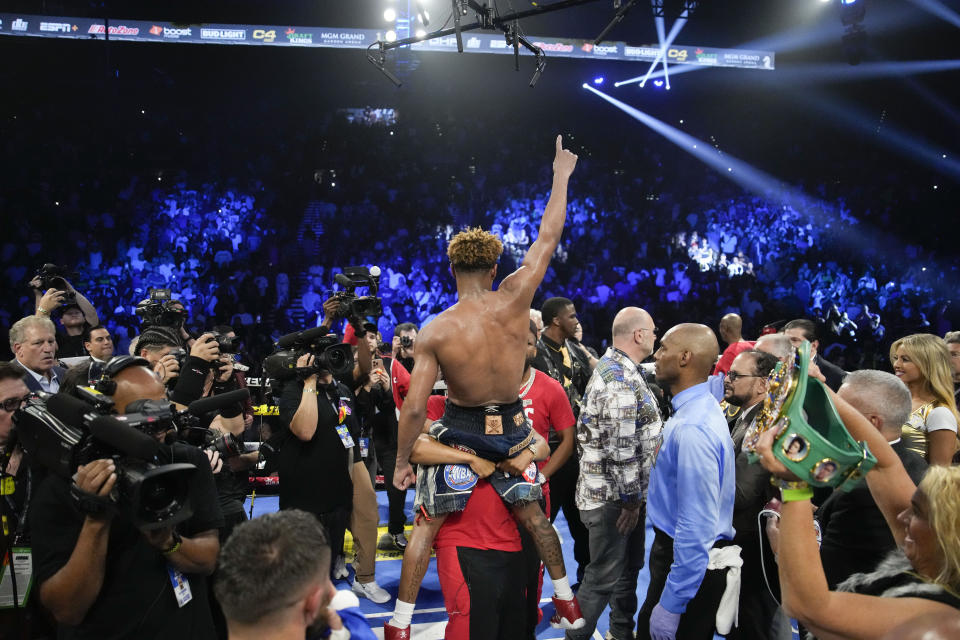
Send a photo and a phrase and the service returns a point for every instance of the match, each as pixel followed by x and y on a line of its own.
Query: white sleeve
pixel 941 418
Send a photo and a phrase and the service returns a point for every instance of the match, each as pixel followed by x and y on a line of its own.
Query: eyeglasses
pixel 12 404
pixel 733 376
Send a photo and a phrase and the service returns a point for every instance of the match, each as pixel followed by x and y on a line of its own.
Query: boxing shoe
pixel 568 614
pixel 391 632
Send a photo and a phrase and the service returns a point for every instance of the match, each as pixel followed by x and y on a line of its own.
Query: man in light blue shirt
pixel 691 495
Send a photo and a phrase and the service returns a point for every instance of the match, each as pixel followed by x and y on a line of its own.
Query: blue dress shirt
pixel 692 489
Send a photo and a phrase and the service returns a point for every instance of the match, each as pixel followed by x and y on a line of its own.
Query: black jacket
pixel 550 361
pixel 855 533
pixel 830 371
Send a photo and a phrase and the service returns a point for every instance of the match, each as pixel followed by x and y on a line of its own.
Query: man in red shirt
pixel 731 326
pixel 546 406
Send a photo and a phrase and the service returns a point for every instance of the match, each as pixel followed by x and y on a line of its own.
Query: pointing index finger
pixel 559 143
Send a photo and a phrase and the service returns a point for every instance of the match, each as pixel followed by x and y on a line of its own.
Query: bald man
pixel 731 327
pixel 617 433
pixel 97 572
pixel 691 496
pixel 776 344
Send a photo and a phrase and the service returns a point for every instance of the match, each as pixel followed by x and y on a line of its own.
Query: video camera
pixel 53 277
pixel 62 433
pixel 357 307
pixel 330 355
pixel 160 310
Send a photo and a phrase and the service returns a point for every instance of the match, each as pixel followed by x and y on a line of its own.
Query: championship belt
pixel 811 440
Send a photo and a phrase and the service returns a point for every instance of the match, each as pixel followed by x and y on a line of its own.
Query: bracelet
pixel 313 391
pixel 796 495
pixel 780 483
pixel 42 311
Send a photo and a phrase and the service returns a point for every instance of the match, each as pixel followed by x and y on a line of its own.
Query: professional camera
pixel 359 307
pixel 329 354
pixel 61 433
pixel 53 277
pixel 226 444
pixel 160 310
pixel 406 342
pixel 225 344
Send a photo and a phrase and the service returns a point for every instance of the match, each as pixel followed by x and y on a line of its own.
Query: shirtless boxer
pixel 480 343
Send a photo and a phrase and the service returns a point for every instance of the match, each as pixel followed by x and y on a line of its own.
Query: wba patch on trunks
pixel 443 489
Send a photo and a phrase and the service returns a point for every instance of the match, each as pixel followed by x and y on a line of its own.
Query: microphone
pixel 69 410
pixel 124 438
pixel 343 280
pixel 303 337
pixel 206 405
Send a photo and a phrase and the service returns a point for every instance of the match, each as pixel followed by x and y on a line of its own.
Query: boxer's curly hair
pixel 474 250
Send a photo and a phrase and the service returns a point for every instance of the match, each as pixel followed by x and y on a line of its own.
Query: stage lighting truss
pixel 487 17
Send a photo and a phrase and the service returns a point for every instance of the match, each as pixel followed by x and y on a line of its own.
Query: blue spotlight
pixel 917 149
pixel 598 80
pixel 657 83
pixel 940 10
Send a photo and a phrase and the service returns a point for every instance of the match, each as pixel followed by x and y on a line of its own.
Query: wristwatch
pixel 533 449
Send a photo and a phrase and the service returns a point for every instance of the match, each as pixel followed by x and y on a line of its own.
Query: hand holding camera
pixel 96 478
pixel 167 367
pixel 52 299
pixel 206 348
pixel 303 362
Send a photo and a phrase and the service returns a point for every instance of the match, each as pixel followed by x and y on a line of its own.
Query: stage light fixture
pixel 390 36
pixel 390 14
pixel 598 80
pixel 421 33
pixel 657 83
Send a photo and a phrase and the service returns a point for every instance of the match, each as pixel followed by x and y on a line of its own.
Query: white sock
pixel 403 614
pixel 561 588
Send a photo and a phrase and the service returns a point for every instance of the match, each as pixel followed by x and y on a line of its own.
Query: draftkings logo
pixel 19 25
pixel 298 38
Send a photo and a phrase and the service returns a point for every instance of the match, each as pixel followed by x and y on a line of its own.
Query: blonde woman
pixel 922 577
pixel 922 362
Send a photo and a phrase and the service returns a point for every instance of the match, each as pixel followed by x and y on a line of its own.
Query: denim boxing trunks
pixel 494 433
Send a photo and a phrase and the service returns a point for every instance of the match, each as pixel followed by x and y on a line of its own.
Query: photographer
pixel 386 385
pixel 404 344
pixel 185 374
pixel 97 572
pixel 324 425
pixel 52 291
pixel 15 468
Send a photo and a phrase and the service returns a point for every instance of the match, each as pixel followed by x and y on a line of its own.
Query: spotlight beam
pixel 736 170
pixel 662 54
pixel 833 72
pixel 663 48
pixel 922 151
pixel 762 184
pixel 940 10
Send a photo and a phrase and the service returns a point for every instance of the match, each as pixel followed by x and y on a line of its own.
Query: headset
pixel 105 384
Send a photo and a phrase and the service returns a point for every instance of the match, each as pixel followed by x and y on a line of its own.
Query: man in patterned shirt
pixel 617 431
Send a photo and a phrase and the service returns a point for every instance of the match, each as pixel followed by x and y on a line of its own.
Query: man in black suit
pixel 855 535
pixel 34 343
pixel 803 329
pixel 745 386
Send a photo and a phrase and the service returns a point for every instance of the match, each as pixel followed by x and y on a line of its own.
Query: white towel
pixel 729 609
